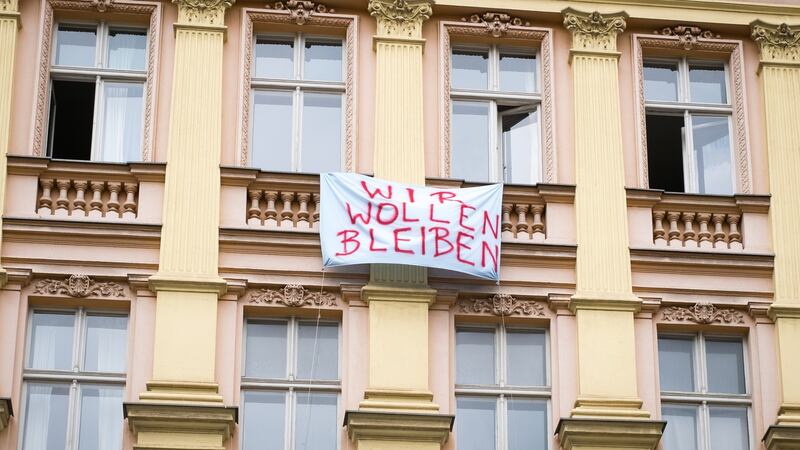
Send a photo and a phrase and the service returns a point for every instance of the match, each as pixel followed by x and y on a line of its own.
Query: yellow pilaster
pixel 182 407
pixel 398 410
pixel 9 23
pixel 780 79
pixel 604 303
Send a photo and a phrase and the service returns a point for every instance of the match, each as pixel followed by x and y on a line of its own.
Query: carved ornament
pixel 301 10
pixel 779 43
pixel 78 286
pixel 594 31
pixel 702 313
pixel 293 295
pixel 202 12
pixel 687 34
pixel 400 18
pixel 11 6
pixel 501 305
pixel 496 23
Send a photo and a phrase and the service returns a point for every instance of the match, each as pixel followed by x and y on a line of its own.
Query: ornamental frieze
pixel 702 313
pixel 293 295
pixel 78 286
pixel 301 10
pixel 779 43
pixel 496 23
pixel 501 305
pixel 687 34
pixel 594 31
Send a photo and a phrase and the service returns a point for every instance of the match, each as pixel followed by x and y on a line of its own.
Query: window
pixel 502 388
pixel 97 86
pixel 73 381
pixel 495 98
pixel 291 385
pixel 688 119
pixel 704 394
pixel 297 94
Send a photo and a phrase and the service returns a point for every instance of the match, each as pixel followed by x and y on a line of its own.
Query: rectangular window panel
pixel 527 424
pixel 265 350
pixel 527 364
pixel 106 344
pixel 728 428
pixel 126 49
pixel 475 356
pixel 707 84
pixel 46 414
pixel 122 122
pixel 75 46
pixel 51 341
pixel 100 421
pixel 71 119
pixel 264 420
pixel 274 58
pixel 316 423
pixel 676 364
pixel 322 341
pixel 665 136
pixel 661 82
pixel 520 135
pixel 681 430
pixel 517 72
pixel 470 69
pixel 475 423
pixel 322 133
pixel 725 365
pixel 470 141
pixel 271 147
pixel 322 61
pixel 712 153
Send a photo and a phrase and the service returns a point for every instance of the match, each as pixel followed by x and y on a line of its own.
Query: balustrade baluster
pixel 719 233
pixel 734 236
pixel 674 233
pixel 315 215
pixel 129 207
pixel 286 213
pixel 254 213
pixel 45 207
pixel 62 202
pixel 97 199
pixel 271 214
pixel 507 232
pixel 302 212
pixel 79 204
pixel 689 236
pixel 538 225
pixel 704 234
pixel 113 210
pixel 658 229
pixel 522 221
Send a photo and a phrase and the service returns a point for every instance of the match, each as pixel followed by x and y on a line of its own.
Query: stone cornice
pixel 202 12
pixel 400 18
pixel 594 32
pixel 779 43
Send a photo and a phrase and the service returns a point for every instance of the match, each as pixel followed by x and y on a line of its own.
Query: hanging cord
pixel 313 360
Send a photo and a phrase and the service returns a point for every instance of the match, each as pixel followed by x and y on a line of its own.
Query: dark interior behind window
pixel 71 116
pixel 664 152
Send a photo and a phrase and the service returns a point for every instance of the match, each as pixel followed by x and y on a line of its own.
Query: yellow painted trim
pixel 9 24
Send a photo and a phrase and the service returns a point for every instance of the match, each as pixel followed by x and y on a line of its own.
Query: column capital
pixel 202 12
pixel 400 18
pixel 779 44
pixel 9 6
pixel 594 32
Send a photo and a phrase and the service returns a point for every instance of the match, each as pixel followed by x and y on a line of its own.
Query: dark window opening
pixel 665 152
pixel 71 117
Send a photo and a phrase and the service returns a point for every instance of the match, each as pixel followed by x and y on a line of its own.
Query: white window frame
pixel 298 86
pixel 291 386
pixel 685 108
pixel 701 398
pixel 522 102
pixel 500 390
pixel 100 74
pixel 74 377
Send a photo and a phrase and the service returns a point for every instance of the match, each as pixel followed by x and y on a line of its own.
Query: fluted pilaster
pixel 9 23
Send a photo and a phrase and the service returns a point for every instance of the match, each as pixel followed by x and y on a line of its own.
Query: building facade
pixel 162 283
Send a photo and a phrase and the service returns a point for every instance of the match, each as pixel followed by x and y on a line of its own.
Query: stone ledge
pixel 619 434
pixel 782 437
pixel 147 417
pixel 6 411
pixel 394 426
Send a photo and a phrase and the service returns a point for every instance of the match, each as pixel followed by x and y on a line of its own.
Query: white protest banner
pixel 367 221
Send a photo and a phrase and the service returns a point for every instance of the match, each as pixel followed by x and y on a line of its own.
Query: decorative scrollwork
pixel 78 286
pixel 292 295
pixel 9 5
pixel 102 5
pixel 400 17
pixel 501 305
pixel 594 31
pixel 702 313
pixel 203 12
pixel 779 43
pixel 301 10
pixel 496 23
pixel 687 34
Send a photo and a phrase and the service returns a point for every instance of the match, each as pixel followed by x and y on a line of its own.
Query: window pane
pixel 707 84
pixel 725 363
pixel 264 420
pixel 126 49
pixel 470 69
pixel 521 147
pixel 122 122
pixel 475 423
pixel 75 46
pixel 665 136
pixel 106 344
pixel 322 133
pixel 470 141
pixel 661 82
pixel 272 131
pixel 681 431
pixel 274 58
pixel 712 153
pixel 71 119
pixel 475 360
pixel 101 418
pixel 46 417
pixel 323 61
pixel 527 362
pixel 517 73
pixel 527 425
pixel 728 428
pixel 51 341
pixel 326 348
pixel 316 421
pixel 676 364
pixel 265 355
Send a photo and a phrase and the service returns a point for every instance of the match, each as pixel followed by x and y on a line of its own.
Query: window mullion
pixel 291 363
pixel 689 164
pixel 501 430
pixel 289 419
pixel 298 130
pixel 97 119
pixel 73 410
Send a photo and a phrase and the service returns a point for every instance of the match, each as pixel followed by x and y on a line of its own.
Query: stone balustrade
pixel 95 199
pixel 283 210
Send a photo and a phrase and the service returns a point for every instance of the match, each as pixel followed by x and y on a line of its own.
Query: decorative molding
pixel 301 10
pixel 293 295
pixel 102 5
pixel 779 43
pixel 202 12
pixel 78 286
pixel 501 305
pixel 594 31
pixel 496 23
pixel 9 6
pixel 702 313
pixel 687 34
pixel 400 18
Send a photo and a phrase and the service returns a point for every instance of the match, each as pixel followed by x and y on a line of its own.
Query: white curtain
pixel 100 423
pixel 126 51
pixel 122 125
pixel 106 344
pixel 45 417
pixel 52 341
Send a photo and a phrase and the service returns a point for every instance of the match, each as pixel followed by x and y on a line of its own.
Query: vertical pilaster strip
pixel 9 23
